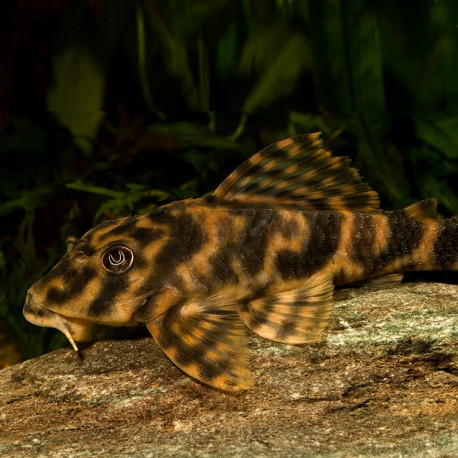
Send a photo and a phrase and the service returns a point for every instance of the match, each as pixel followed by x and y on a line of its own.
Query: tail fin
pixel 445 249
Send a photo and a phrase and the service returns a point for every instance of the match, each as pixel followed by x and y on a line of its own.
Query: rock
pixel 383 381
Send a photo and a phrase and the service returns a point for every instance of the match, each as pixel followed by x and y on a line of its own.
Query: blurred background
pixel 113 107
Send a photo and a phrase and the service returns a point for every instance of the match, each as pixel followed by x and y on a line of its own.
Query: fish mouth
pixel 72 328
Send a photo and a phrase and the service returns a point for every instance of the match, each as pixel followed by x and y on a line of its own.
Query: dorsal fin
pixel 423 210
pixel 298 173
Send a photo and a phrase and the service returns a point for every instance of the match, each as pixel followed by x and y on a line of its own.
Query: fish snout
pixel 35 313
pixel 32 312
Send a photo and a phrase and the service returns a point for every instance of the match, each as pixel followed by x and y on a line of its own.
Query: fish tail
pixel 444 249
pixel 412 239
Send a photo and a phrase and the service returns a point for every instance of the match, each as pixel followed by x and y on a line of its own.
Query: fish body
pixel 264 251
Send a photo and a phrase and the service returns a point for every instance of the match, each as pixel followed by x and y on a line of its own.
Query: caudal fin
pixel 445 248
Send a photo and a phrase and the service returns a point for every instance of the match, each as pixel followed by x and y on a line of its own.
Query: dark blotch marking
pixel 323 241
pixel 257 319
pixel 93 232
pixel 405 236
pixel 259 316
pixel 221 271
pixel 75 281
pixel 446 245
pixel 63 269
pixel 164 217
pixel 286 329
pixel 162 338
pixel 220 367
pixel 318 248
pixel 206 373
pixel 106 299
pixel 183 359
pixel 187 237
pixel 219 262
pixel 145 235
pixel 362 248
pixel 128 229
pixel 288 263
pixel 120 229
pixel 251 248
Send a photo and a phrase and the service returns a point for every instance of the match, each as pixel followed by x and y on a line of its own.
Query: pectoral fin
pixel 295 314
pixel 207 340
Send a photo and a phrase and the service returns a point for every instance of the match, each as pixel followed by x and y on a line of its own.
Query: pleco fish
pixel 263 251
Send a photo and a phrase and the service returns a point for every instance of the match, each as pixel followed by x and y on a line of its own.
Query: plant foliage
pixel 152 101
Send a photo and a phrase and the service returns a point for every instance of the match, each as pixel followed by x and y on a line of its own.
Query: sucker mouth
pixel 72 328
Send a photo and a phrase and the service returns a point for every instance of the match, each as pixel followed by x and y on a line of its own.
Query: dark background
pixel 109 108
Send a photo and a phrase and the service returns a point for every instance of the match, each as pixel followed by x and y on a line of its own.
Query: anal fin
pixel 206 339
pixel 295 314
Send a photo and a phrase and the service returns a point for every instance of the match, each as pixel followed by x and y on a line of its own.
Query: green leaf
pixel 176 62
pixel 190 135
pixel 443 61
pixel 198 160
pixel 300 123
pixel 420 53
pixel 227 51
pixel 77 94
pixel 281 75
pixel 142 61
pixel 81 186
pixel 385 171
pixel 349 80
pixel 439 131
pixel 347 55
pixel 28 201
pixel 441 190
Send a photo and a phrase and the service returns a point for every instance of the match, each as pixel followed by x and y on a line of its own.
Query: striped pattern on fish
pixel 264 251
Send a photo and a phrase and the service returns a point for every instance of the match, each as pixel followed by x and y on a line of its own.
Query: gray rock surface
pixel 382 382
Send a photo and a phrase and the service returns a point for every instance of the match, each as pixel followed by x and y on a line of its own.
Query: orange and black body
pixel 264 251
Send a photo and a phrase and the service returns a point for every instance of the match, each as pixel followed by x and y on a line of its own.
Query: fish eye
pixel 117 259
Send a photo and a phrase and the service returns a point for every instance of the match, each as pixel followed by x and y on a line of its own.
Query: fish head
pixel 103 279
